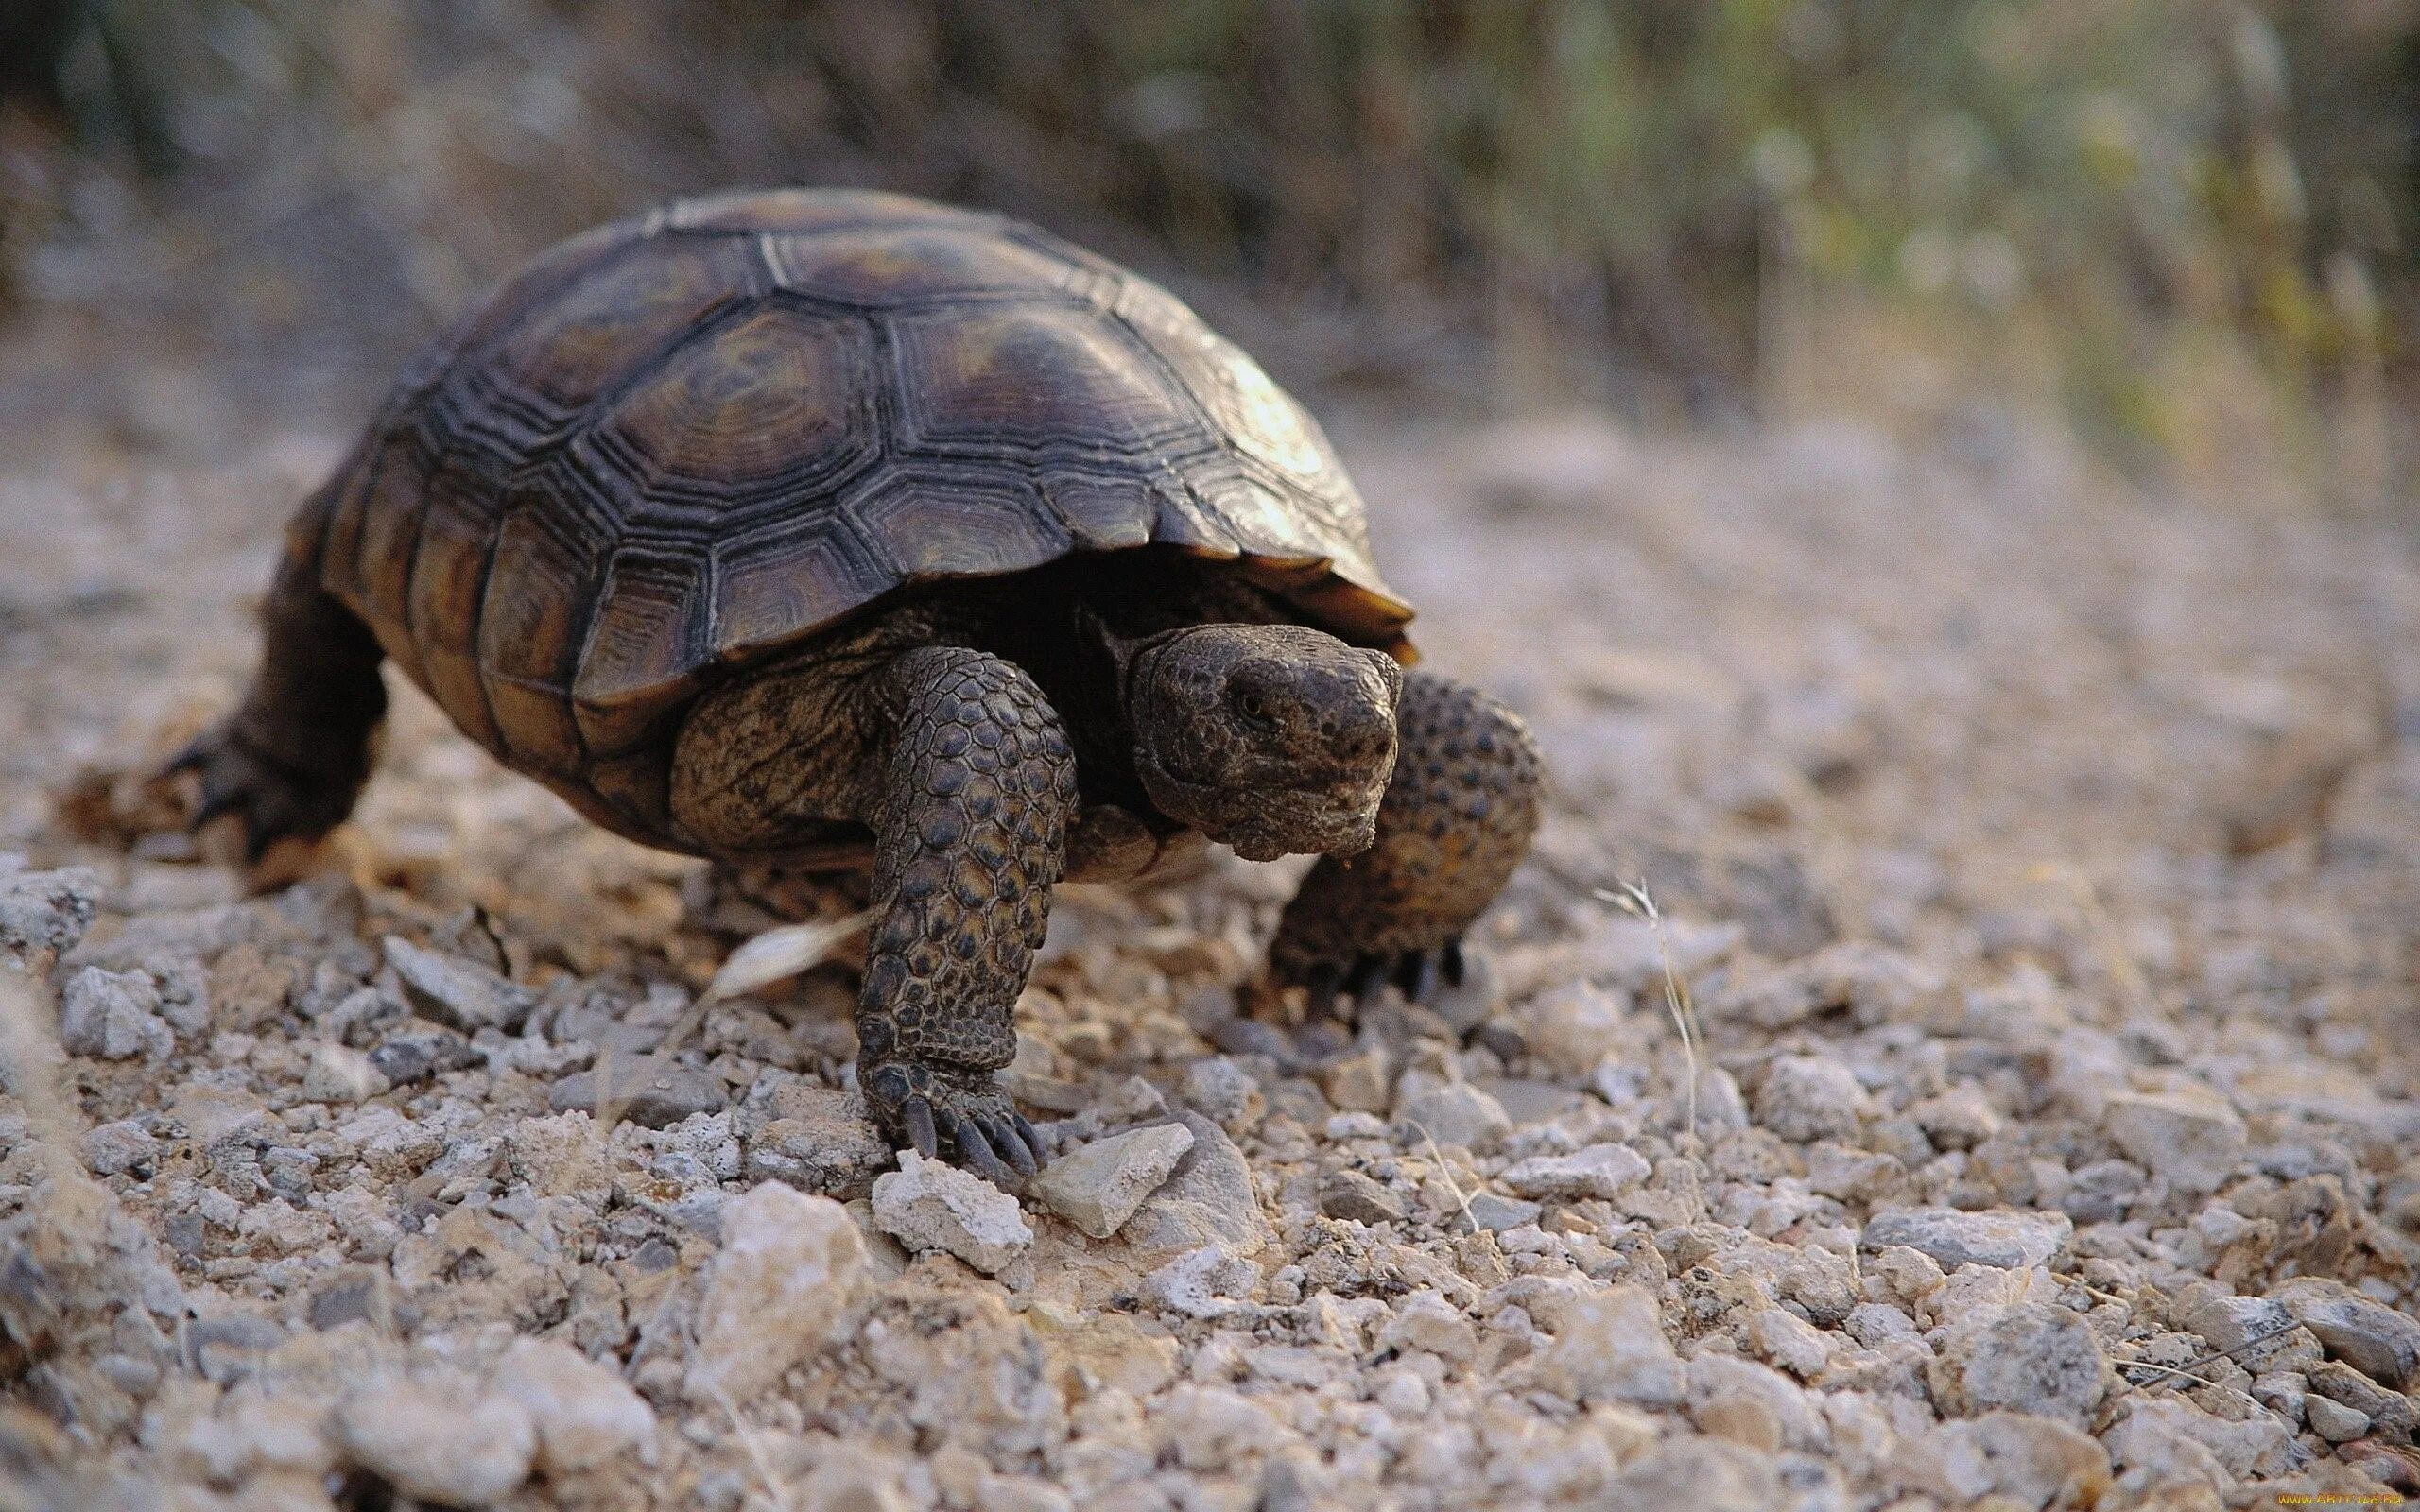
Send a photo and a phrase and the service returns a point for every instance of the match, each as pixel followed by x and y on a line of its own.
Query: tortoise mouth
pixel 1263 822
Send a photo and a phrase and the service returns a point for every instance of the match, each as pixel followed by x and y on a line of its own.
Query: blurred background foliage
pixel 2188 225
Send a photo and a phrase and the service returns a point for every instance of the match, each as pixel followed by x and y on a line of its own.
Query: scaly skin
pixel 292 758
pixel 1456 818
pixel 970 835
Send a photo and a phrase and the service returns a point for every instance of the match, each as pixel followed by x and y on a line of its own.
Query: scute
pixel 933 521
pixel 779 398
pixel 648 633
pixel 1011 379
pixel 807 571
pixel 572 347
pixel 879 266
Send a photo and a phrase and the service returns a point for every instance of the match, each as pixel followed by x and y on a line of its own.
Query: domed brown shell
pixel 680 442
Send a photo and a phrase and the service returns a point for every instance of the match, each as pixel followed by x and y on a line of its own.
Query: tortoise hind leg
pixel 294 755
pixel 970 831
pixel 1456 818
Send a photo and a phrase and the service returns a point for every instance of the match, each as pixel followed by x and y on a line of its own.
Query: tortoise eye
pixel 1250 706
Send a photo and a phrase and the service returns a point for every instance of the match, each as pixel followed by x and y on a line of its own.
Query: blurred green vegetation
pixel 2160 211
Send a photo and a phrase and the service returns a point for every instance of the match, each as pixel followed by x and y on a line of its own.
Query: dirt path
pixel 2041 862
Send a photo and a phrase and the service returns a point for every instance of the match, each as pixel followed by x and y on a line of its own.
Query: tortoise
pixel 806 530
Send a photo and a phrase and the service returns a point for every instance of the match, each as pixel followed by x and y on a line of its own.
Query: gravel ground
pixel 2032 861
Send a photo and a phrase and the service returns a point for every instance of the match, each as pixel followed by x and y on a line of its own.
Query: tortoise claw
pixel 967 1134
pixel 1451 964
pixel 1007 1143
pixel 1031 1138
pixel 918 1116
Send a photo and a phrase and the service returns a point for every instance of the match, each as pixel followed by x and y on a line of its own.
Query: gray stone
pixel 1598 1171
pixel 2334 1421
pixel 440 1440
pixel 1210 1195
pixel 585 1413
pixel 113 1015
pixel 2033 1357
pixel 2192 1138
pixel 1803 1098
pixel 124 1146
pixel 44 910
pixel 2006 1239
pixel 2370 1336
pixel 929 1205
pixel 1495 1213
pixel 1221 1089
pixel 784 1285
pixel 1350 1195
pixel 2233 1323
pixel 1098 1187
pixel 1450 1112
pixel 818 1139
pixel 457 991
pixel 650 1096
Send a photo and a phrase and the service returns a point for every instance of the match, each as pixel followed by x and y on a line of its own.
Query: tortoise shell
pixel 683 442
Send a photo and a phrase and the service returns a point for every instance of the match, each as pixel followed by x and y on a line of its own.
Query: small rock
pixel 1873 984
pixel 1221 1089
pixel 2333 1421
pixel 45 910
pixel 414 1056
pixel 2030 1462
pixel 2370 1336
pixel 443 1442
pixel 784 1285
pixel 1573 1028
pixel 1424 1320
pixel 340 1073
pixel 1495 1213
pixel 1350 1195
pixel 1959 1119
pixel 1803 1098
pixel 2192 1138
pixel 1611 1346
pixel 1598 1171
pixel 1210 1195
pixel 1133 1100
pixel 585 1413
pixel 113 1015
pixel 1098 1187
pixel 1358 1082
pixel 1204 1282
pixel 1704 1475
pixel 123 1146
pixel 460 992
pixel 652 1096
pixel 2008 1239
pixel 2233 1323
pixel 820 1139
pixel 1781 1336
pixel 2034 1357
pixel 929 1205
pixel 1450 1112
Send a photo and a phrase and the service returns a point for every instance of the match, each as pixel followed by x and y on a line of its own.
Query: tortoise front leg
pixel 1456 818
pixel 970 827
pixel 291 759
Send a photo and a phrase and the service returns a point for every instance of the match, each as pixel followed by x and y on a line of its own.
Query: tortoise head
pixel 1274 739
